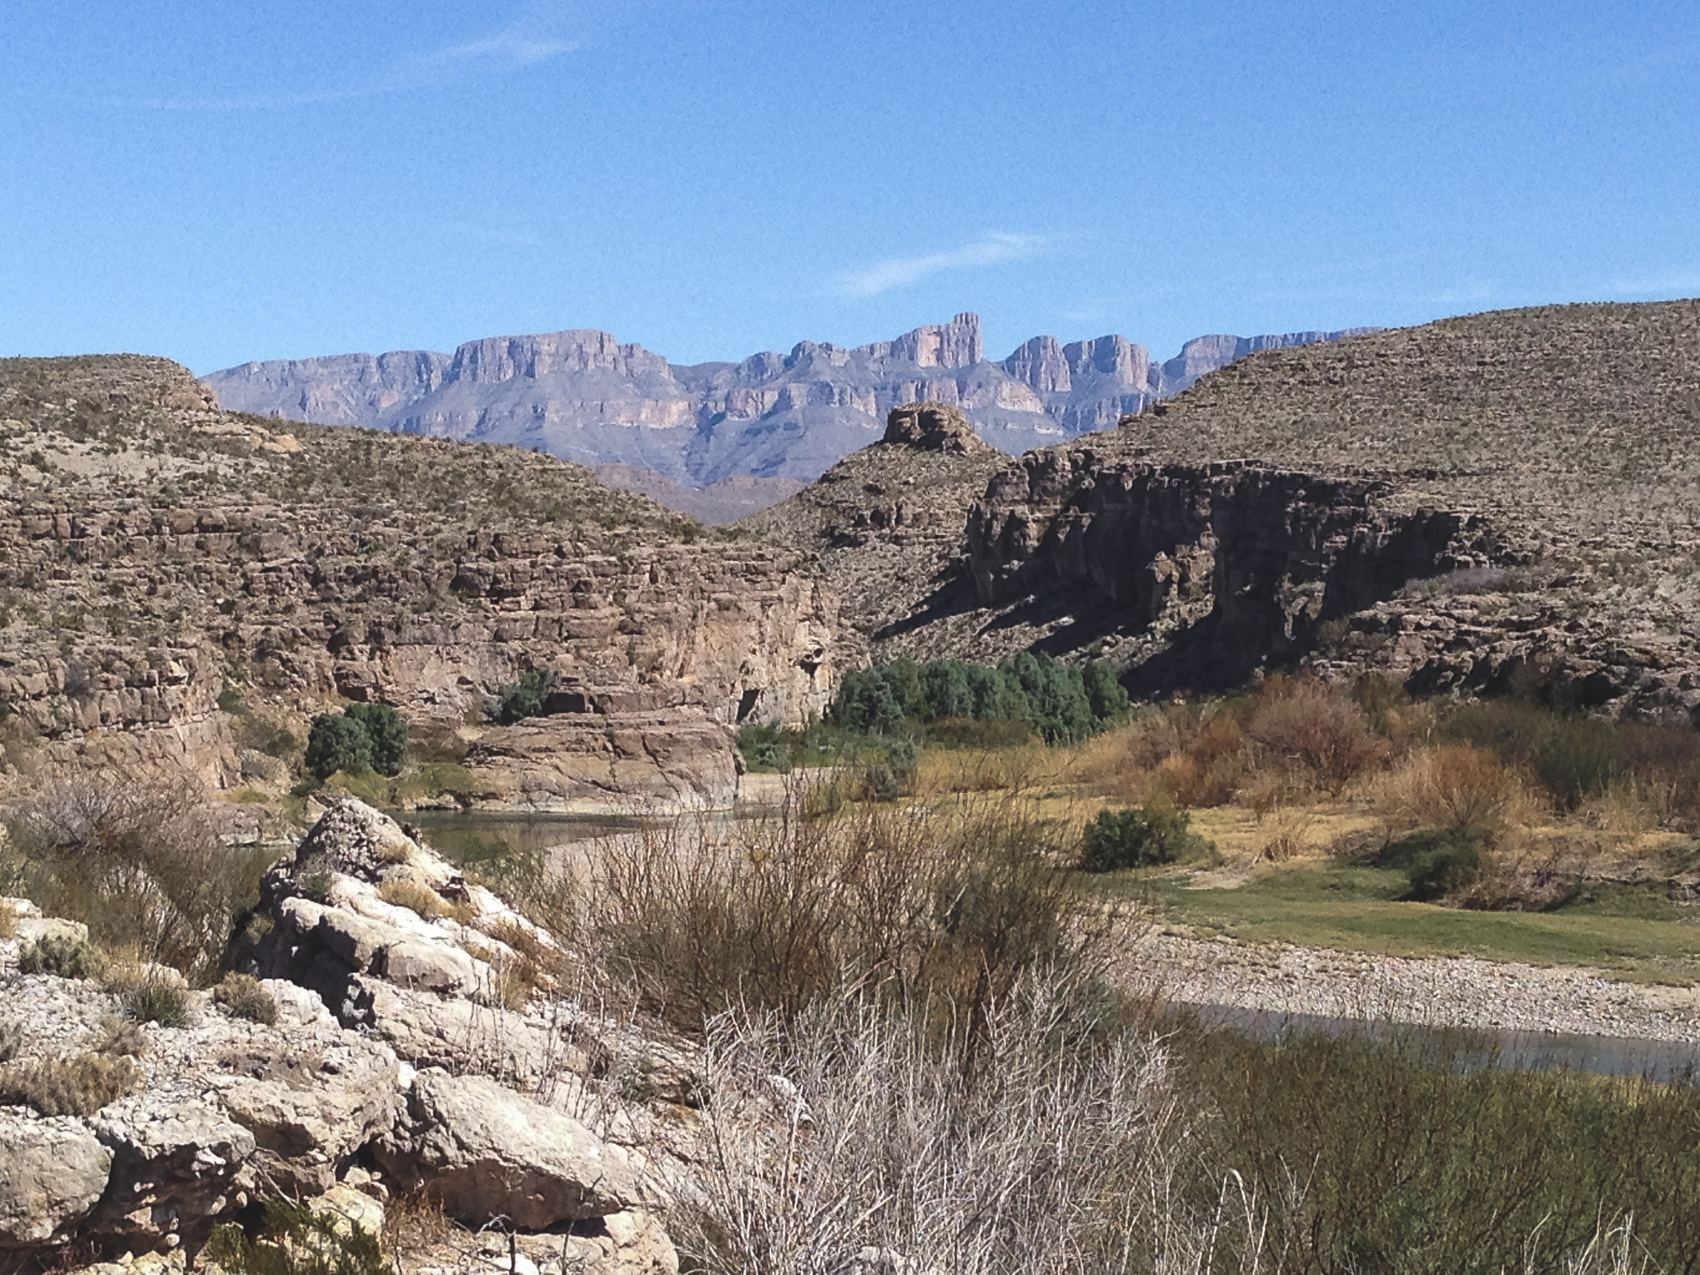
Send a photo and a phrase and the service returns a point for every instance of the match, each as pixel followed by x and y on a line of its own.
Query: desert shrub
pixel 336 743
pixel 1060 702
pixel 158 1002
pixel 63 956
pixel 290 1239
pixel 1153 833
pixel 120 1038
pixel 1452 785
pixel 1437 863
pixel 1316 726
pixel 11 1041
pixel 135 859
pixel 78 1086
pixel 1574 757
pixel 764 747
pixel 519 700
pixel 8 918
pixel 241 996
pixel 316 884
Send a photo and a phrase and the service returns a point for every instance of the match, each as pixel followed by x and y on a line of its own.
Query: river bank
pixel 1463 991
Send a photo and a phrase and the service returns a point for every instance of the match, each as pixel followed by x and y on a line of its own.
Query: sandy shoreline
pixel 1432 991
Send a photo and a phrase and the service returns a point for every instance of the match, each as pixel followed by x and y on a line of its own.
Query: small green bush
pixel 242 997
pixel 316 884
pixel 293 1240
pixel 1438 862
pixel 163 1003
pixel 522 699
pixel 64 956
pixel 1153 833
pixel 386 733
pixel 77 1086
pixel 337 743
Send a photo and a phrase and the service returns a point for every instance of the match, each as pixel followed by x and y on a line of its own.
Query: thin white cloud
pixel 523 43
pixel 895 272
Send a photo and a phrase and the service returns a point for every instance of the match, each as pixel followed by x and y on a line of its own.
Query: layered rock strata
pixel 154 551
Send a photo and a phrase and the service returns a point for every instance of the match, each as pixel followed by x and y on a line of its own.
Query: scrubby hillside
pixel 887 522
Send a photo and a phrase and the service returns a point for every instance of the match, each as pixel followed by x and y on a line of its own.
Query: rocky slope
pixel 155 551
pixel 584 396
pixel 401 1060
pixel 887 523
pixel 1494 501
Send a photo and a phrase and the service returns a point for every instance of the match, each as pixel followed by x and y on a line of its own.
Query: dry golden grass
pixel 8 920
pixel 420 898
pixel 1453 785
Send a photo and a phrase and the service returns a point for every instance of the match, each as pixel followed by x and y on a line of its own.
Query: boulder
pixel 484 1152
pixel 175 1165
pixel 52 1173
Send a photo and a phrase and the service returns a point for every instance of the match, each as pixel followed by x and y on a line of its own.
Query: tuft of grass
pixel 11 1041
pixel 163 1004
pixel 241 996
pixel 8 919
pixel 291 1239
pixel 420 898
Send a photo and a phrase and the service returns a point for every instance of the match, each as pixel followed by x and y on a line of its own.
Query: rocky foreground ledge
pixel 401 1062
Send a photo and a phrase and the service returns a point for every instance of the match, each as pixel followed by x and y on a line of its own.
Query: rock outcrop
pixel 584 396
pixel 351 1096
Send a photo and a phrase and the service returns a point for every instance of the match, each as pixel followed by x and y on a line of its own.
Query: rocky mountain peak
pixel 947 345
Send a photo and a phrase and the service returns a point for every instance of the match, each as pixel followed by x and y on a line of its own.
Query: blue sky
pixel 220 182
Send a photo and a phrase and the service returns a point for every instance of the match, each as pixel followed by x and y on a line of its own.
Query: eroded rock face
pixel 585 762
pixel 378 1077
pixel 1240 563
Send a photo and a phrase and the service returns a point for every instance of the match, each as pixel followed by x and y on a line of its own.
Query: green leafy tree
pixel 1104 691
pixel 386 734
pixel 867 704
pixel 337 743
pixel 947 689
pixel 522 699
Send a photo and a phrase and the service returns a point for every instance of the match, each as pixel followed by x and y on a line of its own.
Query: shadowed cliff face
pixel 1231 566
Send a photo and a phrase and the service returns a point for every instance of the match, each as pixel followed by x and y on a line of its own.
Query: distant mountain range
pixel 583 396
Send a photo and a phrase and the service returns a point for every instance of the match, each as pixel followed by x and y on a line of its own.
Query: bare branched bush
pixel 854 1138
pixel 134 858
pixel 1315 726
